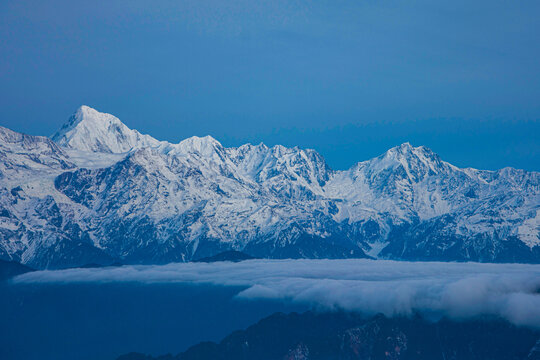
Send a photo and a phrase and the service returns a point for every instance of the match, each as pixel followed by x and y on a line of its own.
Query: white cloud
pixel 458 290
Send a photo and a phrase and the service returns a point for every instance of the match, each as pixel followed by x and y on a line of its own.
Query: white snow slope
pixel 101 192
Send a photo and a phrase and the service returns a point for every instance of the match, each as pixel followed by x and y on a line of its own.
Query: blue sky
pixel 347 78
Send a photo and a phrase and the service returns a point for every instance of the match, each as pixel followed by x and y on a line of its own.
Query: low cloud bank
pixel 457 290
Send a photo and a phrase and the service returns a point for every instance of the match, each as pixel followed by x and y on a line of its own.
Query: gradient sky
pixel 347 78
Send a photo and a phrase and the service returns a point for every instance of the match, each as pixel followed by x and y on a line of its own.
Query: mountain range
pixel 98 192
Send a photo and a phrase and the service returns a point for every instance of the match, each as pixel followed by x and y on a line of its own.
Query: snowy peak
pixel 291 172
pixel 176 202
pixel 205 146
pixel 407 161
pixel 406 153
pixel 91 130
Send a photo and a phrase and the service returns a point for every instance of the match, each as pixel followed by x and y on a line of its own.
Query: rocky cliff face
pixel 101 192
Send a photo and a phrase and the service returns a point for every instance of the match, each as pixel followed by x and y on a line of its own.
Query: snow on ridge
pixel 198 189
pixel 393 182
pixel 93 131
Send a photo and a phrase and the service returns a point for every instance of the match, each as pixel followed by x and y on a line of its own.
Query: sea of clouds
pixel 457 290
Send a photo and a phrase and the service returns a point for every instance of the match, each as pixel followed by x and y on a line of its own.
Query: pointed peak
pixel 205 145
pixel 406 145
pixel 407 149
pixel 87 113
pixel 416 162
pixel 90 130
pixel 201 141
pixel 250 146
pixel 86 109
pixel 281 149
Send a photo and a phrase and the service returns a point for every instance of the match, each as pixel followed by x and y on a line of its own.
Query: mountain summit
pixel 90 130
pixel 126 197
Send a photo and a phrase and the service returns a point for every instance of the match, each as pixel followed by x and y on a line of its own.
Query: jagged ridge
pixel 108 193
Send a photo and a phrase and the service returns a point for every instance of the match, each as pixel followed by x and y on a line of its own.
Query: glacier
pixel 98 192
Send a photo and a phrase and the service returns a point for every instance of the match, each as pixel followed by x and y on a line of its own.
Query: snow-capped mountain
pixel 90 130
pixel 102 193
